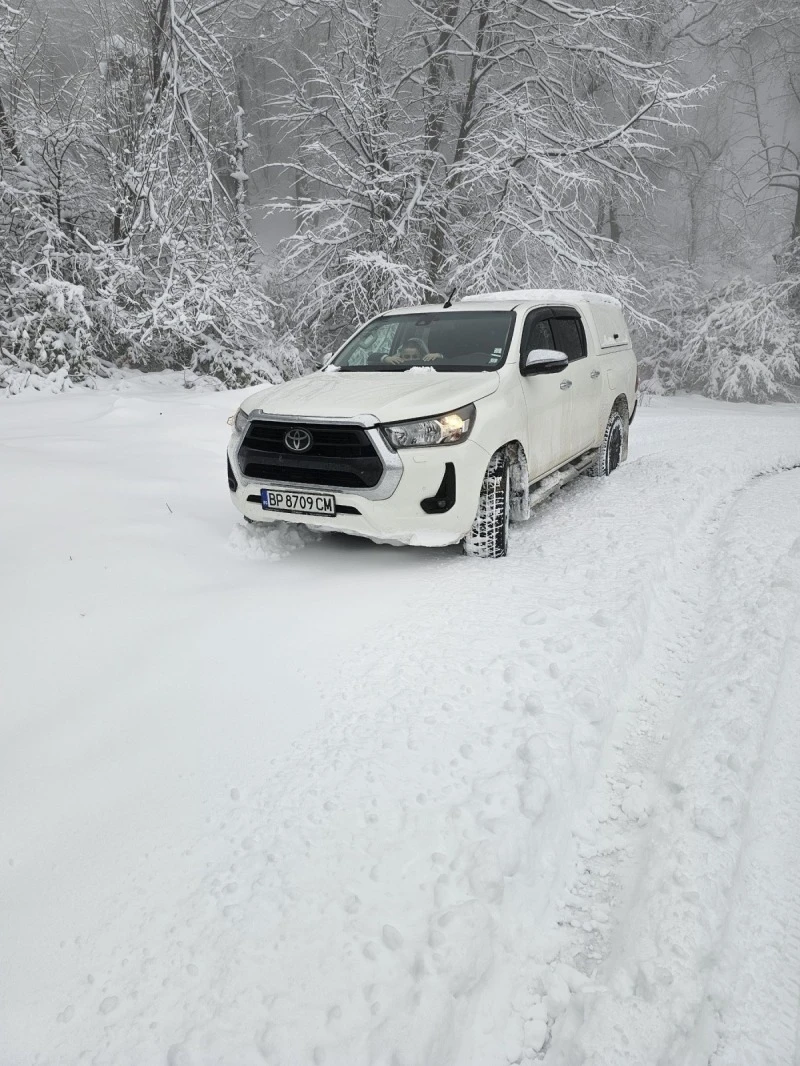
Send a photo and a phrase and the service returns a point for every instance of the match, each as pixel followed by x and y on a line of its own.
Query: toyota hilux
pixel 441 424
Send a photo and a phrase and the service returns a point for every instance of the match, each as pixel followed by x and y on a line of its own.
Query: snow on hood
pixel 546 296
pixel 385 395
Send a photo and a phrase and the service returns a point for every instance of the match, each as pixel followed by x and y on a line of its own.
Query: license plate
pixel 313 503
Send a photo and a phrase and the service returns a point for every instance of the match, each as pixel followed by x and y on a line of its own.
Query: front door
pixel 546 399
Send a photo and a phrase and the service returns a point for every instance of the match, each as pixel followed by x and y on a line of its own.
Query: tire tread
pixel 488 538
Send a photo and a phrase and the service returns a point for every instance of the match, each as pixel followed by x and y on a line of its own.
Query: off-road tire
pixel 488 538
pixel 614 448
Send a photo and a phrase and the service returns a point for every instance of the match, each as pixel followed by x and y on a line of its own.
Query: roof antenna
pixel 449 301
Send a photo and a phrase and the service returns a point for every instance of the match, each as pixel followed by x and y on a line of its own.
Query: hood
pixel 387 396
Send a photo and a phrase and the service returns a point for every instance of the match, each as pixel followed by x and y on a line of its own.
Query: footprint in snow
pixel 177 1055
pixel 392 937
pixel 108 1004
pixel 533 705
pixel 352 904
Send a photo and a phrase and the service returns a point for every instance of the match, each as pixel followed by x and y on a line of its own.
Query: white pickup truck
pixel 441 424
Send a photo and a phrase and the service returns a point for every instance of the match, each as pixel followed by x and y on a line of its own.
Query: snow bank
pixel 113 379
pixel 269 542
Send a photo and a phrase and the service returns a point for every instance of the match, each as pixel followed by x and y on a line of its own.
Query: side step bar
pixel 541 490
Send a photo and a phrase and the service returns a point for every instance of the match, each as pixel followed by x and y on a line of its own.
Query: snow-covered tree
pixel 126 222
pixel 464 143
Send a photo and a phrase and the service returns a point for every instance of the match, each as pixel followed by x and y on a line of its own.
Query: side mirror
pixel 326 358
pixel 545 361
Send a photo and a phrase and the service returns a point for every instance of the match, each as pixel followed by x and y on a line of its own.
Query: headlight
pixel 442 429
pixel 239 421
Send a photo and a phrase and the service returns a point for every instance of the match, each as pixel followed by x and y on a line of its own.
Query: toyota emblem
pixel 298 440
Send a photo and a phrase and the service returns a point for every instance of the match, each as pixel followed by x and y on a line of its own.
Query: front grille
pixel 339 456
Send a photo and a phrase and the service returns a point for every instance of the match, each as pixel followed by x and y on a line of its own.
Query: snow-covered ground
pixel 271 798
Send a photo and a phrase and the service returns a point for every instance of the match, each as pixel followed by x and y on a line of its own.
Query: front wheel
pixel 488 538
pixel 614 447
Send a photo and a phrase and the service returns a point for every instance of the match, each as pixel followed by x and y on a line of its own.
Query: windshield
pixel 442 340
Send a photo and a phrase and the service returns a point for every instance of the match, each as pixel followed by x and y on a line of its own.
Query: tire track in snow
pixel 668 881
pixel 754 1007
pixel 608 836
pixel 542 978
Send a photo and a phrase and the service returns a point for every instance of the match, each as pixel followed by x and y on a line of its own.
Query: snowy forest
pixel 229 187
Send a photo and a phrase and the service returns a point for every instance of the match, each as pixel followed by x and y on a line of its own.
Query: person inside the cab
pixel 414 351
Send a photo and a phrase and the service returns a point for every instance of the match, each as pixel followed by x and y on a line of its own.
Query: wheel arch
pixel 520 478
pixel 516 450
pixel 621 405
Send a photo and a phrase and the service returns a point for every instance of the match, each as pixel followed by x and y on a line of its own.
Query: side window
pixel 569 338
pixel 540 336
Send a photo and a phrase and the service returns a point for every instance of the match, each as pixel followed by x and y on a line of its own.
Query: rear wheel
pixel 488 538
pixel 614 447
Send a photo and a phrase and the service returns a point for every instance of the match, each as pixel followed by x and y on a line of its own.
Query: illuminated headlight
pixel 442 429
pixel 239 421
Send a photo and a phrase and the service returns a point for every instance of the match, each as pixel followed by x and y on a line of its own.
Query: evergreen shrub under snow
pixel 72 317
pixel 738 341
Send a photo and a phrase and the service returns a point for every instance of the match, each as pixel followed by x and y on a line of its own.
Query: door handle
pixel 566 384
pixel 595 374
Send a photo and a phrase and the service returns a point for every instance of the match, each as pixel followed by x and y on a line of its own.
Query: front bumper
pixel 399 518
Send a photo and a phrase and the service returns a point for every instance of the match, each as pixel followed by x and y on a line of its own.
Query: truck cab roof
pixel 513 299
